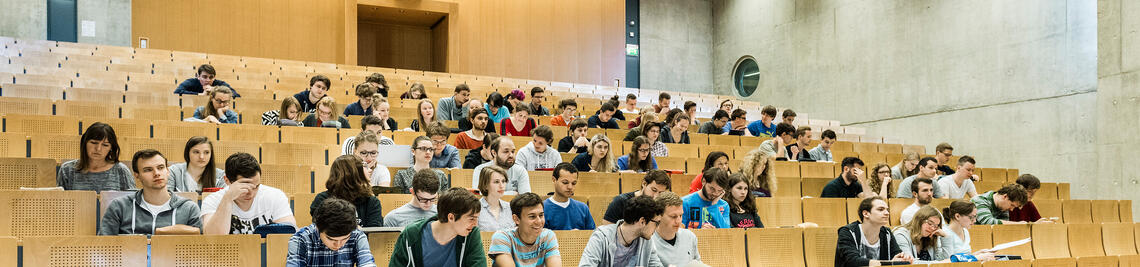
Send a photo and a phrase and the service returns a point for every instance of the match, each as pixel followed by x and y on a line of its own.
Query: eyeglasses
pixel 425 201
pixel 439 142
pixel 642 150
pixel 423 149
pixel 655 222
pixel 369 153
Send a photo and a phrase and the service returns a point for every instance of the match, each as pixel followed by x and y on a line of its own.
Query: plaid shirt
pixel 306 249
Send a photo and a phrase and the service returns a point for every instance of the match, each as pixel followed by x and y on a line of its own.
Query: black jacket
pixel 848 254
pixel 473 159
pixel 566 145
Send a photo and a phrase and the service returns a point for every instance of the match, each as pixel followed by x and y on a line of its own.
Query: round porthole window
pixel 746 76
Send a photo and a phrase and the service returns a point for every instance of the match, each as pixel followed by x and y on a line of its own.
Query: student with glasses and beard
pixel 705 209
pixel 503 152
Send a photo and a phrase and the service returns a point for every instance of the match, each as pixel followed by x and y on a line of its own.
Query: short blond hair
pixel 668 199
pixel 328 102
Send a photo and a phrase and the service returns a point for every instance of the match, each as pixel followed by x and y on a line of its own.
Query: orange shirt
pixel 463 141
pixel 558 121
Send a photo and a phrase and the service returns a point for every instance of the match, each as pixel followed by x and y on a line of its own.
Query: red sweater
pixel 1026 213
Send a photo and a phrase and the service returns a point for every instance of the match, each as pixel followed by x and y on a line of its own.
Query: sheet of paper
pixel 1010 244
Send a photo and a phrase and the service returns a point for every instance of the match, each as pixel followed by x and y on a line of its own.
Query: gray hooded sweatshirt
pixel 600 249
pixel 129 215
pixel 531 160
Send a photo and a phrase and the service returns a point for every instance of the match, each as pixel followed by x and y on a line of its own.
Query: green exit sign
pixel 632 50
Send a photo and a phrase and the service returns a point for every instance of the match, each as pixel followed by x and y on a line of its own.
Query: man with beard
pixel 924 188
pixel 705 209
pixel 447 240
pixel 503 154
pixel 563 212
pixel 627 242
pixel 847 184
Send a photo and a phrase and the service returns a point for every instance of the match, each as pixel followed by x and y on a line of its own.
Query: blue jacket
pixel 192 87
pixel 449 158
pixel 355 109
pixel 231 116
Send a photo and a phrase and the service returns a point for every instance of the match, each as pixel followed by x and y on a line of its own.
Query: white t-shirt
pixel 870 251
pixel 908 213
pixel 957 192
pixel 270 204
pixel 381 176
pixel 156 209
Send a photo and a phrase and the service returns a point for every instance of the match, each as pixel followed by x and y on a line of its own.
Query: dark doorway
pixel 402 38
pixel 61 21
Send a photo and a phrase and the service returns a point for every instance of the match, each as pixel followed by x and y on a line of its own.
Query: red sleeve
pixel 696 184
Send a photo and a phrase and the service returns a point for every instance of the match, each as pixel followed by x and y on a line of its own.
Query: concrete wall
pixel 676 39
pixel 28 20
pixel 1118 98
pixel 1011 83
pixel 112 21
pixel 23 19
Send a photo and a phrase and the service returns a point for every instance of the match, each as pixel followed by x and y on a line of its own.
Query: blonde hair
pixel 607 163
pixel 765 180
pixel 210 109
pixel 330 103
pixel 902 164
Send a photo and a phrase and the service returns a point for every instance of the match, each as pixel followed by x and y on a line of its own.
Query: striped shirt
pixel 306 249
pixel 988 211
pixel 508 242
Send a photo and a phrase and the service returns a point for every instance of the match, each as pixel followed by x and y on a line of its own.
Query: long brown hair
pixel 749 203
pixel 635 162
pixel 97 131
pixel 346 179
pixel 286 103
pixel 209 175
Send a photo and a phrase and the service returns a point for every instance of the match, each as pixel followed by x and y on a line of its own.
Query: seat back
pixel 301 211
pixel 1098 261
pixel 1105 211
pixel 291 179
pixel 1118 239
pixel 14 145
pixel 26 172
pixel 571 244
pixel 389 202
pixel 779 211
pixel 1085 240
pixel 1055 262
pixel 730 248
pixel 24 213
pixel 39 124
pixel 277 249
pixel 1049 208
pixel 597 184
pixel 1050 241
pixel 9 252
pixel 382 243
pixel 775 247
pixel 1004 233
pixel 1077 211
pixel 825 211
pixel 813 187
pixel 598 206
pixel 981 237
pixel 205 250
pixel 1017 263
pixel 84 250
pixel 819 246
pixel 302 154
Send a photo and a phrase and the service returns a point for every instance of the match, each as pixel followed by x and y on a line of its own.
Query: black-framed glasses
pixel 425 201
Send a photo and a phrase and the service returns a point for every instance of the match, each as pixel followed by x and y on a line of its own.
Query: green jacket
pixel 469 250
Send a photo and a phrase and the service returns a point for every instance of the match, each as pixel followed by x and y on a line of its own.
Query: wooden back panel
pixel 205 250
